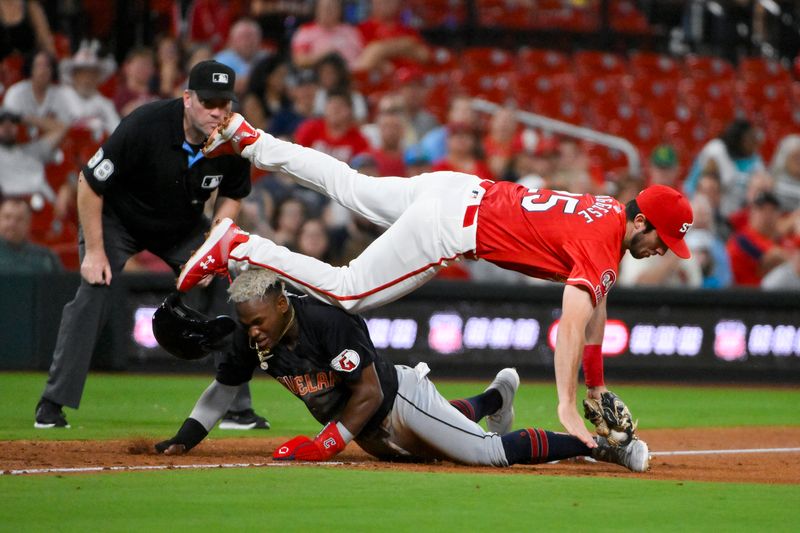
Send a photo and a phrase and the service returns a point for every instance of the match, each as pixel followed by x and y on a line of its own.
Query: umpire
pixel 144 189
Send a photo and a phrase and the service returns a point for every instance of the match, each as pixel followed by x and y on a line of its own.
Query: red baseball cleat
pixel 231 137
pixel 212 257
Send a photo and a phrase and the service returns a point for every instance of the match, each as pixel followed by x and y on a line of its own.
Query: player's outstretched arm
pixel 364 401
pixel 210 407
pixel 577 310
pixel 593 354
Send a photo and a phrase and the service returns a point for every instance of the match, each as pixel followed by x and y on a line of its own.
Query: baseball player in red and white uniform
pixel 437 217
pixel 324 356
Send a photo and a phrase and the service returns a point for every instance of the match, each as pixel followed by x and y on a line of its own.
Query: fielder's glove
pixel 612 418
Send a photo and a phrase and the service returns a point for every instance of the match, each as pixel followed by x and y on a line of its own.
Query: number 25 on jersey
pixel 545 200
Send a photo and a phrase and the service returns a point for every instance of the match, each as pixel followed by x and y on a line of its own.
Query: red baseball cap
pixel 670 213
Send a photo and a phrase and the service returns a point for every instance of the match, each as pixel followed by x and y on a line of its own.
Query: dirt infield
pixel 764 467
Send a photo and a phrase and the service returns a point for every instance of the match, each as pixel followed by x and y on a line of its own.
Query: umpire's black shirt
pixel 154 181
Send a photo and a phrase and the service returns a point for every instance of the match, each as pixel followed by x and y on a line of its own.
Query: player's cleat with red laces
pixel 212 257
pixel 635 456
pixel 232 136
pixel 506 382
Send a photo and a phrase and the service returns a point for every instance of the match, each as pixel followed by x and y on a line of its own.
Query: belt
pixel 471 213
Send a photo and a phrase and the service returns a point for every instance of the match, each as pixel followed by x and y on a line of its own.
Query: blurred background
pixel 597 96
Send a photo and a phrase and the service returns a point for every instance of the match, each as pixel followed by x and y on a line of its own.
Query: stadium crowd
pixel 359 81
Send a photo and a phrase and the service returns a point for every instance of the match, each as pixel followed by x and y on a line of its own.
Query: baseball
pixel 619 437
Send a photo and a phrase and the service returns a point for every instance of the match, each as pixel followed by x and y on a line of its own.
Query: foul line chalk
pixel 81 470
pixel 722 452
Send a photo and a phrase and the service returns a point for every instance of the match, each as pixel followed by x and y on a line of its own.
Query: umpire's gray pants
pixel 85 316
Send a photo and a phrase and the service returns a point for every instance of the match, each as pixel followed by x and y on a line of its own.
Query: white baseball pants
pixel 431 220
pixel 423 425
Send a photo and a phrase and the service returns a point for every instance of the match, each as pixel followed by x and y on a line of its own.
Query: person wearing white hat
pixel 82 75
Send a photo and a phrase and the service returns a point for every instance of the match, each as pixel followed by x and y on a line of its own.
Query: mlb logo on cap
pixel 212 80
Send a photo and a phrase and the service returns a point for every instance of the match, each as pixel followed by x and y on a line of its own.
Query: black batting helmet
pixel 186 333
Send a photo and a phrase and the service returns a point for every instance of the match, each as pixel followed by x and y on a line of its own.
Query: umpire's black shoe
pixel 49 415
pixel 247 419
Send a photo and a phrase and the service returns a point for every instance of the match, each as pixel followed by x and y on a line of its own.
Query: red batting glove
pixel 328 443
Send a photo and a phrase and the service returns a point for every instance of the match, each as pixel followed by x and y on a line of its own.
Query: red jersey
pixel 314 134
pixel 555 235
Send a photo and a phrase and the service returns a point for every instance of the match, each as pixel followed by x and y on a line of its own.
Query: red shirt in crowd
pixel 314 134
pixel 389 164
pixel 746 249
pixel 556 235
pixel 375 30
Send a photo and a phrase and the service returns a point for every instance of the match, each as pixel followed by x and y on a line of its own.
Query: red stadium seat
pixel 534 60
pixel 487 60
pixel 589 62
pixel 645 64
pixel 709 68
pixel 753 69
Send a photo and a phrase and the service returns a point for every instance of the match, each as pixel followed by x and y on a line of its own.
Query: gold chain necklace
pixel 264 354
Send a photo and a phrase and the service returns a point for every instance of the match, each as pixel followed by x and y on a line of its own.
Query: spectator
pixel 82 75
pixel 434 143
pixel 536 159
pixel 709 186
pixel 333 75
pixel 786 170
pixel 411 83
pixel 734 157
pixel 137 71
pixel 197 54
pixel 760 182
pixel 575 171
pixel 336 133
pixel 707 246
pixel 280 20
pixel 313 240
pixel 38 95
pixel 266 91
pixel 388 42
pixel 243 51
pixel 785 276
pixel 325 35
pixel 24 28
pixel 17 253
pixel 498 143
pixel 754 250
pixel 302 89
pixel 392 129
pixel 22 170
pixel 416 161
pixel 664 167
pixel 289 216
pixel 462 149
pixel 209 22
pixel 169 73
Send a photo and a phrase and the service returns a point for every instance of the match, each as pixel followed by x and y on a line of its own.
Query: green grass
pixel 337 499
pixel 322 499
pixel 125 405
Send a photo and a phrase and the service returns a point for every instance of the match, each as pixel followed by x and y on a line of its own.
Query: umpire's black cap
pixel 211 80
pixel 186 333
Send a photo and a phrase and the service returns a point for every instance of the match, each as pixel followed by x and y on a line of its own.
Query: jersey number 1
pixel 535 203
